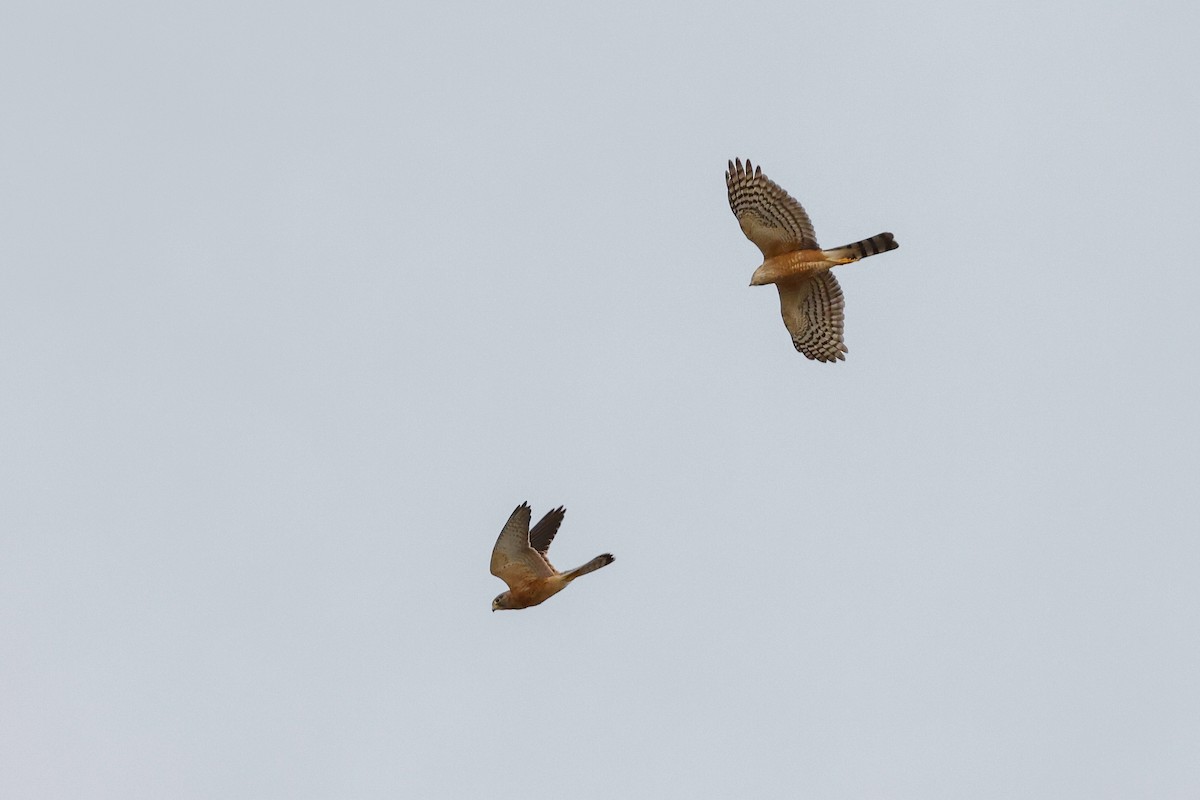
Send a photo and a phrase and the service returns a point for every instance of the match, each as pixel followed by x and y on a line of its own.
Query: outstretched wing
pixel 513 560
pixel 769 216
pixel 543 533
pixel 812 311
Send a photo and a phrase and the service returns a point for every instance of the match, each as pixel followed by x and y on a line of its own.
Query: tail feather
pixel 879 243
pixel 591 566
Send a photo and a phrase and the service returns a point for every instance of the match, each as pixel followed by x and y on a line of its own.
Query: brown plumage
pixel 519 559
pixel 809 296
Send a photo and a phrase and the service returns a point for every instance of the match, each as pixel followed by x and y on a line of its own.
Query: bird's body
pixel 519 559
pixel 809 296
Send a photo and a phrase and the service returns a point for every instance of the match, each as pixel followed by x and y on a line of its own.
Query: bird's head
pixel 761 277
pixel 501 602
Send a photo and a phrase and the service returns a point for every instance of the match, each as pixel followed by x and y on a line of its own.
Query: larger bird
pixel 519 559
pixel 809 296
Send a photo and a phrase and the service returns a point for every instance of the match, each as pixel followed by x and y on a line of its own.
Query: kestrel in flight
pixel 809 295
pixel 519 559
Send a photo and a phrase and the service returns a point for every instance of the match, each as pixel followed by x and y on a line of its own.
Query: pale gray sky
pixel 299 300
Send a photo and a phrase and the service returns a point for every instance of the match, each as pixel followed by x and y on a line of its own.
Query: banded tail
pixel 879 243
pixel 591 566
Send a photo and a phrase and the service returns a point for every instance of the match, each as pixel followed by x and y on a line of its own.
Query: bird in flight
pixel 809 295
pixel 519 559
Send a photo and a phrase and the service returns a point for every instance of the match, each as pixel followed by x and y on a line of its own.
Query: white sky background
pixel 298 301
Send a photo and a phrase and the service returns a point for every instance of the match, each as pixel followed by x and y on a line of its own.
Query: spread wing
pixel 812 311
pixel 543 533
pixel 769 216
pixel 513 560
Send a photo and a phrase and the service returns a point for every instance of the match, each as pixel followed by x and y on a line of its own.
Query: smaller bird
pixel 809 296
pixel 519 559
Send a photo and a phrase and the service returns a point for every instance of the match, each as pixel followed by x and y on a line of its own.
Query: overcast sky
pixel 299 300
